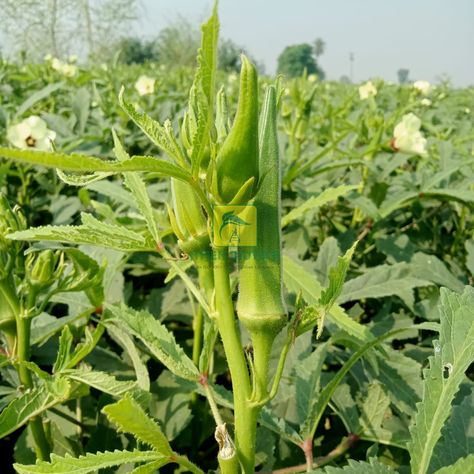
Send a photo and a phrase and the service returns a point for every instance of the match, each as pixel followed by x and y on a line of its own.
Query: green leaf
pixel 151 467
pixel 32 403
pixel 462 466
pixel 100 381
pixel 308 373
pixel 156 337
pixel 298 279
pixel 383 280
pixel 89 164
pixel 65 344
pixel 452 356
pixel 161 135
pixel 279 426
pixel 373 409
pixel 457 436
pixel 337 275
pixel 129 417
pixel 93 232
pixel 88 463
pixel 359 467
pixel 316 201
pixel 138 190
pixel 470 256
pixel 141 371
pixel 37 96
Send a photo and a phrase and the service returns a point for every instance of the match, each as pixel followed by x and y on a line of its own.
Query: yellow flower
pixel 31 133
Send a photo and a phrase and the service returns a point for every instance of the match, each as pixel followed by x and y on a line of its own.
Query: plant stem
pixel 245 416
pixel 183 461
pixel 23 326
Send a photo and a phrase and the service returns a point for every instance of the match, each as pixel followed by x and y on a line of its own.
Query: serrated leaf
pixel 462 466
pixel 457 436
pixel 307 375
pixel 32 403
pixel 101 381
pixel 81 179
pixel 373 406
pixel 89 164
pixel 129 417
pixel 91 232
pixel 452 356
pixel 156 337
pixel 138 189
pixel 65 344
pixel 161 135
pixel 359 467
pixel 337 276
pixel 150 468
pixel 383 280
pixel 315 202
pixel 88 463
pixel 279 426
pixel 297 279
pixel 141 371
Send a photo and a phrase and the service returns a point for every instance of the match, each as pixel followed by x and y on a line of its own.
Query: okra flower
pixel 68 70
pixel 367 90
pixel 407 137
pixel 145 85
pixel 426 102
pixel 31 133
pixel 423 87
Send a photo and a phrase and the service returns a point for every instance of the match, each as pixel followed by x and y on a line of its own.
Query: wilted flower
pixel 31 133
pixel 423 87
pixel 145 85
pixel 367 90
pixel 426 102
pixel 407 137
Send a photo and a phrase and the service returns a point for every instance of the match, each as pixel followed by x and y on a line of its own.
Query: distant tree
pixel 319 47
pixel 229 57
pixel 403 76
pixel 345 79
pixel 295 59
pixel 137 51
pixel 177 43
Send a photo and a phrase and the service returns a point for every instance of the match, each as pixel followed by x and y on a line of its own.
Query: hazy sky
pixel 428 37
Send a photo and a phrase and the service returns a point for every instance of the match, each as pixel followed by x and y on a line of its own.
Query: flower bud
pixel 40 268
pixel 237 160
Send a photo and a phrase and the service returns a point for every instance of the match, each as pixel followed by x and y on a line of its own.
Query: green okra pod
pixel 237 160
pixel 260 305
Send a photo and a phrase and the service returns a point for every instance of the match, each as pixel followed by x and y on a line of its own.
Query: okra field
pixel 202 271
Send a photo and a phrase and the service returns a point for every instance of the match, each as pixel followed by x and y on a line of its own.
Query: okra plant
pixel 223 239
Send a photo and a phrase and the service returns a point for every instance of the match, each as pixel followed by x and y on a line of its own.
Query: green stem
pixel 23 326
pixel 198 323
pixel 245 416
pixel 183 461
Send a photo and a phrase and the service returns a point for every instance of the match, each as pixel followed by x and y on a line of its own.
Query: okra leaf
pixel 129 417
pixel 81 179
pixel 384 280
pixel 297 279
pixel 307 375
pixel 279 426
pixel 453 354
pixel 143 379
pixel 89 164
pixel 151 467
pixel 316 201
pixel 100 381
pixel 359 467
pixel 32 403
pixel 138 189
pixel 161 135
pixel 65 345
pixel 457 437
pixel 461 466
pixel 88 463
pixel 156 337
pixel 93 232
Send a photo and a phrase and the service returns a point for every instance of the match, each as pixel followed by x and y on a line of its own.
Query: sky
pixel 431 38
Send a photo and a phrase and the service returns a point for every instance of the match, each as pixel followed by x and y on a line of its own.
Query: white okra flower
pixel 423 87
pixel 145 85
pixel 367 90
pixel 31 133
pixel 407 137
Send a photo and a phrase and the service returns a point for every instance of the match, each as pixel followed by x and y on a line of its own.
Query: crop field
pixel 203 270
